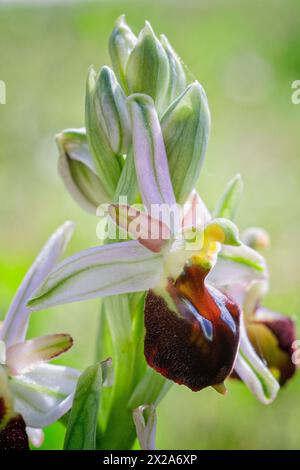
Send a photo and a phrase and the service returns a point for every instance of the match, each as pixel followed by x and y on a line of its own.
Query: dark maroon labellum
pixel 195 346
pixel 14 436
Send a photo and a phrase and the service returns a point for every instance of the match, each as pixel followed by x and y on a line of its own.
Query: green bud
pixel 77 170
pixel 147 68
pixel 121 43
pixel 185 126
pixel 229 201
pixel 113 109
pixel 108 166
pixel 177 77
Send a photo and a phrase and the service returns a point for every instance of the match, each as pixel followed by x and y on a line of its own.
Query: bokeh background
pixel 246 54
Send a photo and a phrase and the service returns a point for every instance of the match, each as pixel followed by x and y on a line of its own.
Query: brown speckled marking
pixel 14 436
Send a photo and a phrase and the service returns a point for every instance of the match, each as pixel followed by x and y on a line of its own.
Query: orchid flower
pixel 272 334
pixel 194 332
pixel 33 393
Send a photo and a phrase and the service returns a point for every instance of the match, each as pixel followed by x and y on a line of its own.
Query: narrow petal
pixel 36 436
pixel 196 213
pixel 150 232
pixel 149 153
pixel 15 324
pixel 98 272
pixel 144 418
pixel 45 394
pixel 252 370
pixel 23 357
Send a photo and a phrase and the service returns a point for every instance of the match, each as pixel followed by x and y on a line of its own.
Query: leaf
pixel 82 424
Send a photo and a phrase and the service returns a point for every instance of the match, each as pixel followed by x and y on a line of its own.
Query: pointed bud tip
pixel 147 30
pixel 121 20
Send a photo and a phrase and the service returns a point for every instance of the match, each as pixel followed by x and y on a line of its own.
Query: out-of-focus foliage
pixel 246 55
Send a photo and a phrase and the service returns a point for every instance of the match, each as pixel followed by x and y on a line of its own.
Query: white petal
pixel 23 357
pixel 98 272
pixel 15 324
pixel 45 394
pixel 36 436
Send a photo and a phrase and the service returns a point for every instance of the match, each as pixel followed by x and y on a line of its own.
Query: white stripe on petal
pixel 15 324
pixel 45 394
pixel 98 272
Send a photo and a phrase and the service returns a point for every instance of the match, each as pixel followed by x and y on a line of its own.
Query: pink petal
pixel 22 357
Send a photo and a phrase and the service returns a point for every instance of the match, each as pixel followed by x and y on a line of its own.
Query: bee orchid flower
pixel 194 332
pixel 33 394
pixel 272 334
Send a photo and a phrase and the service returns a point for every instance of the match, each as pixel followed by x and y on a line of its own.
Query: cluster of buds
pixel 92 160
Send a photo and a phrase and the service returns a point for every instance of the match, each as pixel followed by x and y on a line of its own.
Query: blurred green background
pixel 246 54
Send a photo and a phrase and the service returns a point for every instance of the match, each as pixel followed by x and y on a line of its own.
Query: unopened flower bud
pixel 177 76
pixel 113 109
pixel 77 170
pixel 185 127
pixel 256 237
pixel 121 43
pixel 147 68
pixel 108 166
